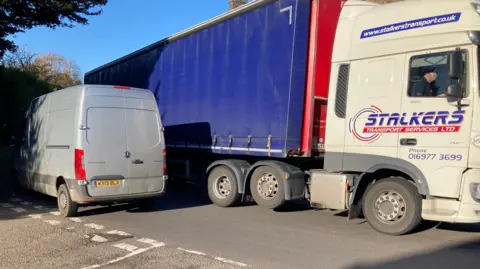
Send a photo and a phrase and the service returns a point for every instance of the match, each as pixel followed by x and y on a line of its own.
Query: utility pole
pixel 232 4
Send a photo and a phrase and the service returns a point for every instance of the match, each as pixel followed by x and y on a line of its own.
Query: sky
pixel 123 27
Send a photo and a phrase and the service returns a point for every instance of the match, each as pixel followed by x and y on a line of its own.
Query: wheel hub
pixel 222 187
pixel 390 207
pixel 63 200
pixel 267 186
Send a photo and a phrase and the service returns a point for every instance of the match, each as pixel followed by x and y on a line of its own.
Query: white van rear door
pixel 105 148
pixel 146 145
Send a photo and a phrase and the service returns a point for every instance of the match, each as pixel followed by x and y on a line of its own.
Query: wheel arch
pixel 238 167
pixel 287 171
pixel 383 171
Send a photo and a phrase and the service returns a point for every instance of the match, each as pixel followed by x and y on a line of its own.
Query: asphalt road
pixel 298 237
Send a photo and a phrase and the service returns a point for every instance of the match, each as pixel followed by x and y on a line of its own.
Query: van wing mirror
pixel 455 91
pixel 455 65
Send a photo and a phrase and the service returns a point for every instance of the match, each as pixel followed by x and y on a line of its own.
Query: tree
pixel 16 16
pixel 57 70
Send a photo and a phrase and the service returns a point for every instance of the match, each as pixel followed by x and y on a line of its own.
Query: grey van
pixel 93 144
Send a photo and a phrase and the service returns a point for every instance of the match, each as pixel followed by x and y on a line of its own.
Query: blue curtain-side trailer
pixel 242 97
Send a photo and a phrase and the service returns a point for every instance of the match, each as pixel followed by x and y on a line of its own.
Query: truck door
pixel 434 133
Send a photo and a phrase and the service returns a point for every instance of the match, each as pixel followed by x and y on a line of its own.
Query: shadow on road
pixel 460 256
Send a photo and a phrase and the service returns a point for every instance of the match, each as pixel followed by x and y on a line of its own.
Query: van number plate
pixel 106 183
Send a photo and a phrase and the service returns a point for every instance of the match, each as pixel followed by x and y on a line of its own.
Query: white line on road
pixel 15 200
pixel 118 233
pixel 35 216
pixel 52 222
pixel 6 205
pixel 150 242
pixel 39 207
pixel 127 247
pixel 230 261
pixel 76 220
pixel 99 239
pixel 19 209
pixel 56 213
pixel 26 203
pixel 94 226
pixel 131 254
pixel 192 251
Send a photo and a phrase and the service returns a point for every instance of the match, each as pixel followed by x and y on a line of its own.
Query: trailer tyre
pixel 267 187
pixel 393 206
pixel 66 206
pixel 223 187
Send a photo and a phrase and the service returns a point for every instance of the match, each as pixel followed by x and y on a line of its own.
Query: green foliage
pixel 17 89
pixel 16 16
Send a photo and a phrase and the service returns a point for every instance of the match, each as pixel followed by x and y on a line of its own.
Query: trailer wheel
pixel 393 206
pixel 66 206
pixel 223 187
pixel 267 187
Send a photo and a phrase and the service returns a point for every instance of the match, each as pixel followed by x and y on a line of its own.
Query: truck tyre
pixel 393 206
pixel 223 187
pixel 66 206
pixel 267 187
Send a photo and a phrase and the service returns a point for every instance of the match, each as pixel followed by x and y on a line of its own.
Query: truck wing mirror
pixel 455 65
pixel 454 91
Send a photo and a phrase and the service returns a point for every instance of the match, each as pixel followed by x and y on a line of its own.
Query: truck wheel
pixel 223 187
pixel 66 206
pixel 267 188
pixel 393 206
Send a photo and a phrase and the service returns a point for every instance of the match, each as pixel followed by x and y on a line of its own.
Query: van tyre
pixel 223 187
pixel 393 206
pixel 66 206
pixel 267 187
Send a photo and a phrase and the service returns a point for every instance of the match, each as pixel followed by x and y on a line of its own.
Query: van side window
pixel 428 75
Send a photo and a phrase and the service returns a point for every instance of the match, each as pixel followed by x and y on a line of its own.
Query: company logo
pixel 410 25
pixel 370 123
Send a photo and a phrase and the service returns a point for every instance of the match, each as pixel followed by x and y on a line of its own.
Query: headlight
pixel 475 191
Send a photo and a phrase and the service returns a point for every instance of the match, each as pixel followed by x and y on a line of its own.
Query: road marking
pixel 150 242
pixel 35 216
pixel 56 213
pixel 94 226
pixel 118 233
pixel 127 247
pixel 52 222
pixel 230 261
pixel 39 207
pixel 76 220
pixel 19 209
pixel 131 254
pixel 192 251
pixel 6 205
pixel 99 239
pixel 15 200
pixel 26 203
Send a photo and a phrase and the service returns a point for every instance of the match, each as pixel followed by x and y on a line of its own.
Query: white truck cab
pixel 404 103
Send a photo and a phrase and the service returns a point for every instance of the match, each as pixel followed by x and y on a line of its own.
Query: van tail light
pixel 164 162
pixel 122 87
pixel 79 165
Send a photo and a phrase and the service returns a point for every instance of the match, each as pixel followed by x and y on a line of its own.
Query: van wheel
pixel 267 187
pixel 223 187
pixel 393 206
pixel 66 206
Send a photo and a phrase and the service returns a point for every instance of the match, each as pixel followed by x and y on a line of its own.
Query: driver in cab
pixel 426 86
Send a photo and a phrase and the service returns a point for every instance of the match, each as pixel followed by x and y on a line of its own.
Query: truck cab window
pixel 428 75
